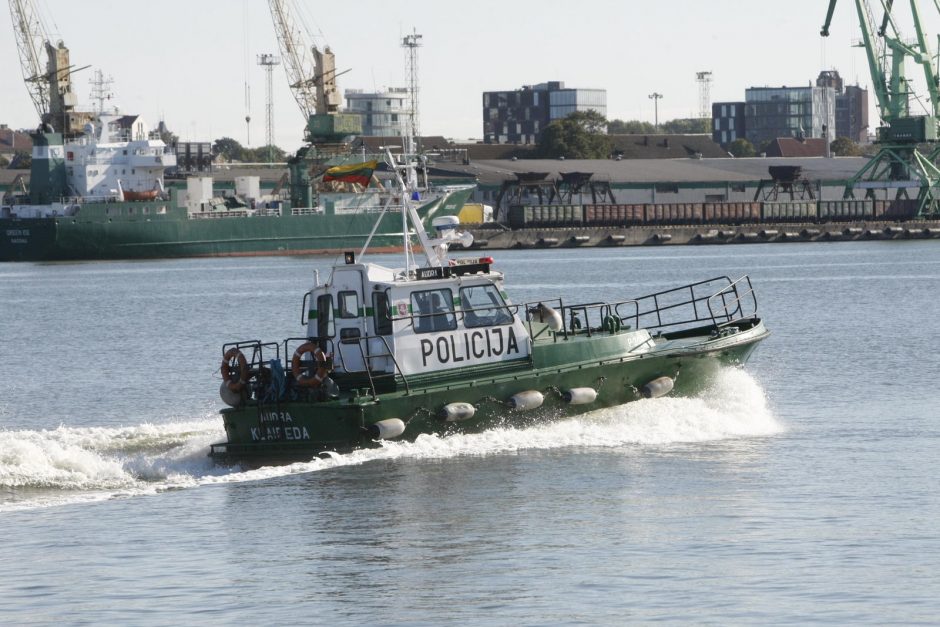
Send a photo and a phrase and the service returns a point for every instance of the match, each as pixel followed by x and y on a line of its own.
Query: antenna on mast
pixel 248 114
pixel 268 61
pixel 704 80
pixel 411 43
pixel 100 90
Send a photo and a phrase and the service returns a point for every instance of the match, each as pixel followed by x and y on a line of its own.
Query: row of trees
pixel 581 135
pixel 841 147
pixel 586 135
pixel 231 150
pixel 680 126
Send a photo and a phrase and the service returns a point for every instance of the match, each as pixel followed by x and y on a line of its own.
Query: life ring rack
pixel 234 369
pixel 297 368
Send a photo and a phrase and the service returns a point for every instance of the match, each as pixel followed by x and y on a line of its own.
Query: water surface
pixel 801 490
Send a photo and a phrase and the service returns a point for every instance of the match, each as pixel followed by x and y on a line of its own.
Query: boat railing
pixel 735 299
pixel 269 370
pixel 363 346
pixel 305 211
pixel 260 367
pixel 220 214
pixel 583 318
pixel 717 302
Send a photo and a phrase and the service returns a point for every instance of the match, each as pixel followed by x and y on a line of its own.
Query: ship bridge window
pixel 483 306
pixel 433 310
pixel 348 305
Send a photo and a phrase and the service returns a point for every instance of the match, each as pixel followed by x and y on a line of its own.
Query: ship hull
pixel 301 429
pixel 150 230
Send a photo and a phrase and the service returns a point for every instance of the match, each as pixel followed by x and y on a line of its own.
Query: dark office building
pixel 517 117
pixel 727 122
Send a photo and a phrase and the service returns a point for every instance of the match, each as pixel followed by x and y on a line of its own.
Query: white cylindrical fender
pixel 387 429
pixel 230 398
pixel 657 387
pixel 580 396
pixel 530 399
pixel 455 412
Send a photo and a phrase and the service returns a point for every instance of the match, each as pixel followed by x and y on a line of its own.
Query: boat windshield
pixel 433 310
pixel 483 306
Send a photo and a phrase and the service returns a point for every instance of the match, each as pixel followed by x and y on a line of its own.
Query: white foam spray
pixel 70 465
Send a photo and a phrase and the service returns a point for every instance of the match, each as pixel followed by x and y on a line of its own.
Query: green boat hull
pixel 152 230
pixel 302 428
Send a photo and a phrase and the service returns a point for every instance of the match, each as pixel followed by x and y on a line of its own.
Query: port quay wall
pixel 501 238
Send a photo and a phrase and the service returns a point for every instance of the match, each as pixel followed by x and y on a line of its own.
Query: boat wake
pixel 74 465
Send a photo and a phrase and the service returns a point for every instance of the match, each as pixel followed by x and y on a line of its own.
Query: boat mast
pixel 406 177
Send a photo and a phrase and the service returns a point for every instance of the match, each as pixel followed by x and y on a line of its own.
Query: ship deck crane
pixel 50 83
pixel 899 159
pixel 31 38
pixel 311 74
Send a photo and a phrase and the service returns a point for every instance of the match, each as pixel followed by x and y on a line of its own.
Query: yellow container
pixel 471 213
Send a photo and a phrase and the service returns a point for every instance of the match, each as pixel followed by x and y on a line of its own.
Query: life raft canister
pixel 234 370
pixel 297 368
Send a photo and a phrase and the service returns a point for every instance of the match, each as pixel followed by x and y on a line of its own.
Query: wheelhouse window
pixel 433 310
pixel 483 306
pixel 348 305
pixel 381 316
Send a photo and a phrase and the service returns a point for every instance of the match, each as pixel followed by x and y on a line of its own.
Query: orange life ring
pixel 297 369
pixel 228 369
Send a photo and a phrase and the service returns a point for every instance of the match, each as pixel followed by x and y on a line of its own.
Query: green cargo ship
pixel 102 196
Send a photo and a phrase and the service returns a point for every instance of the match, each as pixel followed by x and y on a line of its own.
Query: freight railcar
pixel 712 213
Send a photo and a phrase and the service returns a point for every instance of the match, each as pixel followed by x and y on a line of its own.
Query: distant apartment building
pixel 384 113
pixel 772 112
pixel 851 106
pixel 519 116
pixel 829 109
pixel 727 122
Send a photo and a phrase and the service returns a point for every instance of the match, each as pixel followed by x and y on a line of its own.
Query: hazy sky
pixel 187 62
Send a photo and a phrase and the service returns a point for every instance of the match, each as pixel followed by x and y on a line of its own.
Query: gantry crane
pixel 899 159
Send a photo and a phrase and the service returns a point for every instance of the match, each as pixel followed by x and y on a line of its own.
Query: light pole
pixel 655 98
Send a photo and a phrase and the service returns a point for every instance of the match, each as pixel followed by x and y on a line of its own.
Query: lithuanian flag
pixel 353 173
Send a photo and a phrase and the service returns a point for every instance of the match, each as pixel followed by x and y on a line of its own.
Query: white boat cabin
pixel 428 320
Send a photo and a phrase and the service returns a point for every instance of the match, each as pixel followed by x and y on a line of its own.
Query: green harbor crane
pixel 899 163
